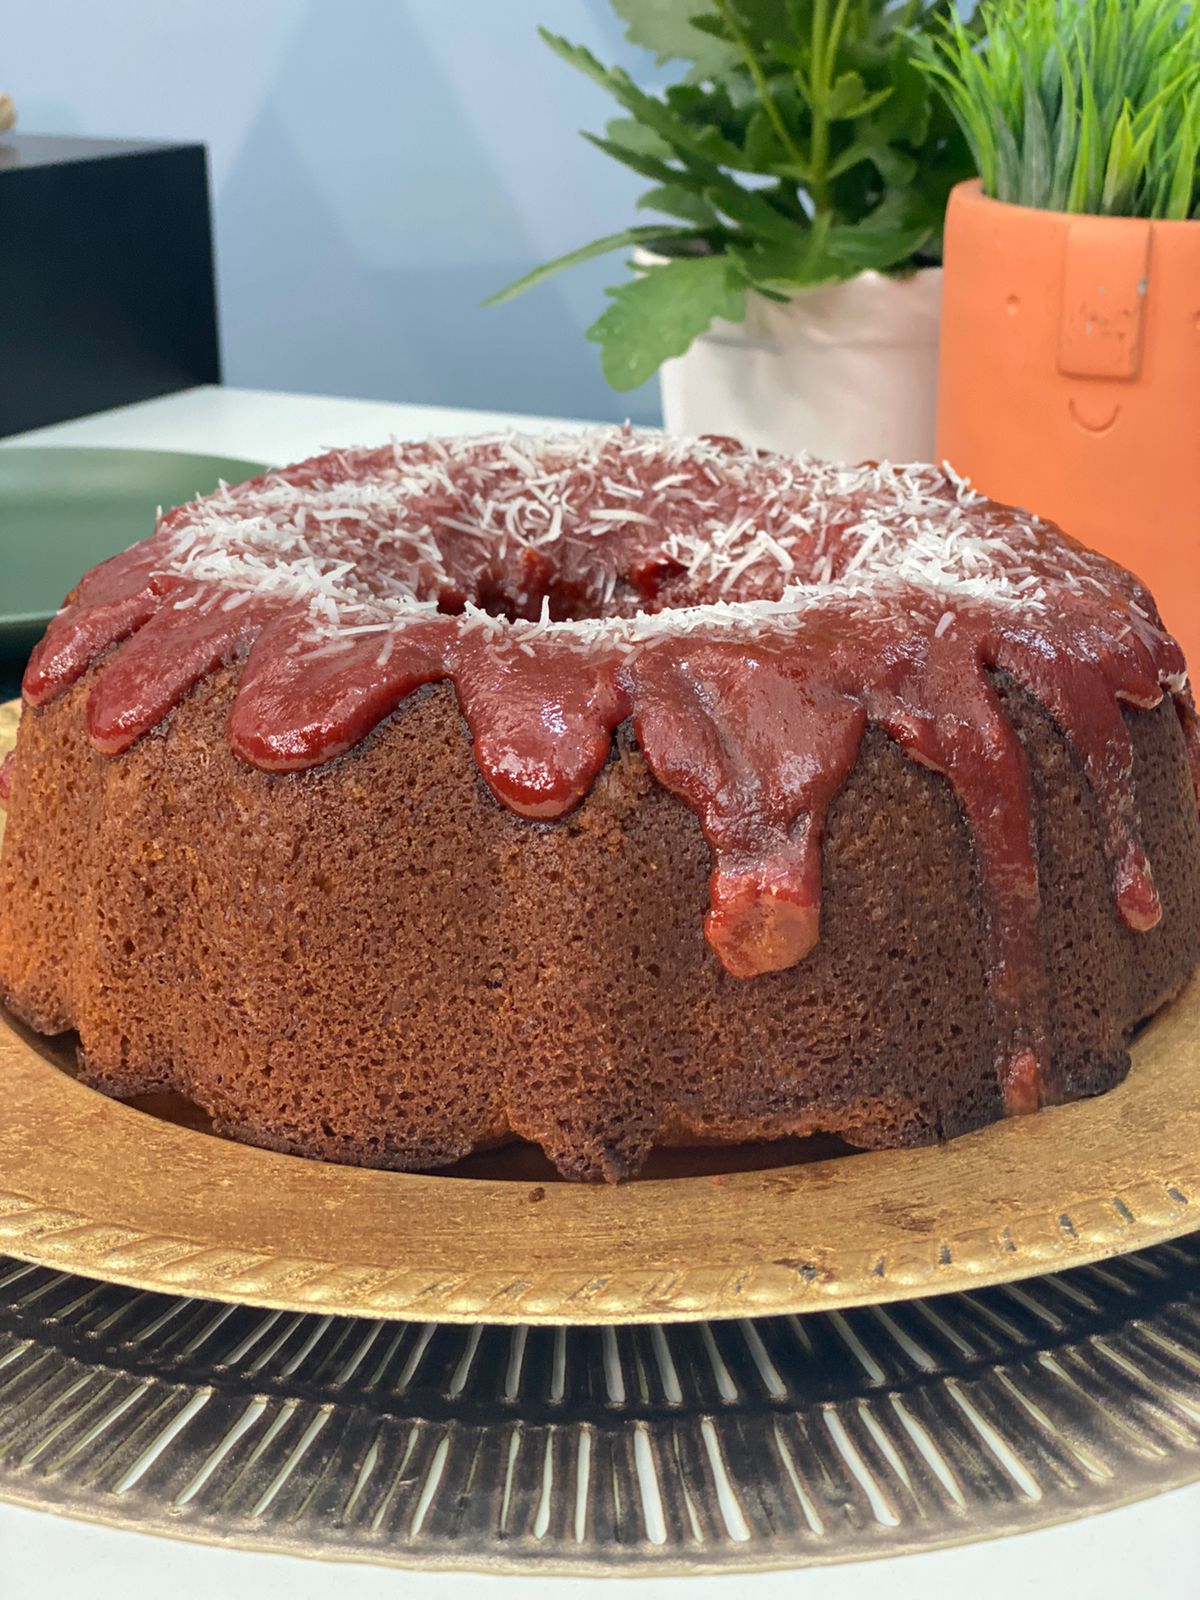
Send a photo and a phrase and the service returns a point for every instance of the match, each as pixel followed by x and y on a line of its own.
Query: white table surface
pixel 276 428
pixel 1149 1548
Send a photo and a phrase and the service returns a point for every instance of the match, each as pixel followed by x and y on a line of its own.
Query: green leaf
pixel 702 142
pixel 1068 133
pixel 1118 173
pixel 631 134
pixel 849 98
pixel 762 142
pixel 577 56
pixel 845 92
pixel 1080 192
pixel 888 237
pixel 1035 155
pixel 646 166
pixel 796 56
pixel 704 122
pixel 676 201
pixel 866 248
pixel 668 28
pixel 895 167
pixel 779 270
pixel 1008 160
pixel 749 207
pixel 905 114
pixel 852 156
pixel 751 210
pixel 764 20
pixel 646 235
pixel 1185 179
pixel 1127 170
pixel 658 314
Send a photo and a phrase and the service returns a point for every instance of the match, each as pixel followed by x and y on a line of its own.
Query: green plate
pixel 62 511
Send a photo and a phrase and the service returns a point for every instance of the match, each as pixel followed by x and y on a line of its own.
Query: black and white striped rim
pixel 701 1447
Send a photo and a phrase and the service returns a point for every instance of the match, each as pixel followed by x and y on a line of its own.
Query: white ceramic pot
pixel 847 371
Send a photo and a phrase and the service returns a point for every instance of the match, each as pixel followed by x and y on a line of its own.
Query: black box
pixel 106 276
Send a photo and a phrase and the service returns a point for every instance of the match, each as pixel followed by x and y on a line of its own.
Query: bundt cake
pixel 604 791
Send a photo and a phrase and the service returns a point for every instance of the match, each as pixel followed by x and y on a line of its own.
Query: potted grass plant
pixel 788 285
pixel 1070 376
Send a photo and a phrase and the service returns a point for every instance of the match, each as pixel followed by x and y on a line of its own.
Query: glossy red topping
pixel 751 613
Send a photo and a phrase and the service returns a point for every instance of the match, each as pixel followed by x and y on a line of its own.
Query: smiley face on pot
pixel 1105 281
pixel 1093 418
pixel 1070 377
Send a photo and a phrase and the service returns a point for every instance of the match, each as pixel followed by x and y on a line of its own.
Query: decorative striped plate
pixel 703 1447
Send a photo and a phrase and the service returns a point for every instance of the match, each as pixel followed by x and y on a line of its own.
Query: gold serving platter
pixel 91 1186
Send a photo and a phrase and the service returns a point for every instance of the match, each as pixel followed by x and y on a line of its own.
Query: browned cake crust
pixel 375 962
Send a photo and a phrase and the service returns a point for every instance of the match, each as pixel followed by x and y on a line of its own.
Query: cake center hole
pixel 596 585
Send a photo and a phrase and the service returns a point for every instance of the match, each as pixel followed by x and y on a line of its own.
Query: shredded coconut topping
pixel 616 534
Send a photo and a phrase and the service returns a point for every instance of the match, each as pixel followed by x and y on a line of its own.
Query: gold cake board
pixel 91 1186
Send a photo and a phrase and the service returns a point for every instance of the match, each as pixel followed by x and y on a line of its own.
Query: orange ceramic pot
pixel 1070 381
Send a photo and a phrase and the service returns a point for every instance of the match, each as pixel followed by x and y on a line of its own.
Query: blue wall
pixel 378 167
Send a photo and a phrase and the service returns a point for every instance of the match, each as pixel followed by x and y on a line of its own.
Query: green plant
pixel 802 146
pixel 1079 105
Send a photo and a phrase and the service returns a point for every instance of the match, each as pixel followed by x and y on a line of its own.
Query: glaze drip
pixel 752 614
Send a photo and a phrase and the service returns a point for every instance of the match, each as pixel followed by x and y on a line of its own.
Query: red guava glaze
pixel 754 727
